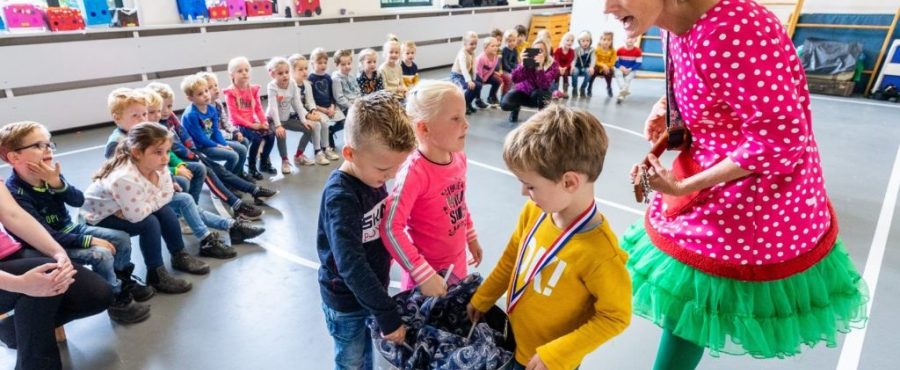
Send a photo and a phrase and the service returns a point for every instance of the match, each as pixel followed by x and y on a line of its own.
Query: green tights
pixel 676 353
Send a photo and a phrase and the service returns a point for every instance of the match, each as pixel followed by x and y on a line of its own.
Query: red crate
pixel 64 19
pixel 259 8
pixel 218 12
pixel 306 8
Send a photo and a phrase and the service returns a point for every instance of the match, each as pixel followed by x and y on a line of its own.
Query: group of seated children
pixel 533 75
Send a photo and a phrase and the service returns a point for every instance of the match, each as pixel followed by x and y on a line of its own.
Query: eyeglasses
pixel 42 145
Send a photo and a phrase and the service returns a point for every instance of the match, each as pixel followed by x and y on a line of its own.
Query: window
pixel 399 3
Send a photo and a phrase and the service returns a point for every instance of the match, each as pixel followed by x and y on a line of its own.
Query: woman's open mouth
pixel 628 22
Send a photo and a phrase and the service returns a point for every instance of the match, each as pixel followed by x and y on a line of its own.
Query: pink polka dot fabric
pixel 742 93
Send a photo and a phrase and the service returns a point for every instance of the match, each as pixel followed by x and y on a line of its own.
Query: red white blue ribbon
pixel 514 294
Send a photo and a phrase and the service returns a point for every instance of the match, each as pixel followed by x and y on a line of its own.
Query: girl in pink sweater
pixel 427 226
pixel 486 70
pixel 246 112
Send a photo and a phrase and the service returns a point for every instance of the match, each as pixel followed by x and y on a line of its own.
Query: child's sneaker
pixel 285 167
pixel 133 285
pixel 321 160
pixel 331 155
pixel 492 100
pixel 609 91
pixel 212 247
pixel 162 281
pixel 557 95
pixel 125 310
pixel 256 175
pixel 480 104
pixel 264 193
pixel 249 211
pixel 242 230
pixel 267 167
pixel 184 262
pixel 302 160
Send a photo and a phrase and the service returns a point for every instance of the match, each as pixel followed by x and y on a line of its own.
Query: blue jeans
pixel 162 223
pixel 352 339
pixel 101 260
pixel 266 138
pixel 232 158
pixel 241 150
pixel 470 95
pixel 198 219
pixel 581 72
pixel 196 183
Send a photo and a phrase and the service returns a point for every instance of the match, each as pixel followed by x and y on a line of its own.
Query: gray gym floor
pixel 262 310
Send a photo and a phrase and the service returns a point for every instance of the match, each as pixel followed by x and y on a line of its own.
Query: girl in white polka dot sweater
pixel 739 250
pixel 131 193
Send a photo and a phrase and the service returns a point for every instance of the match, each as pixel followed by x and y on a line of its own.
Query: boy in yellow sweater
pixel 563 272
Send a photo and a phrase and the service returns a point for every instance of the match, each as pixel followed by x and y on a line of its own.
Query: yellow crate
pixel 556 22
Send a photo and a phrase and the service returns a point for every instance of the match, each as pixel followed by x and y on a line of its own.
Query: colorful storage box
pixel 126 18
pixel 258 8
pixel 306 8
pixel 97 12
pixel 24 16
pixel 64 19
pixel 192 9
pixel 219 12
pixel 236 8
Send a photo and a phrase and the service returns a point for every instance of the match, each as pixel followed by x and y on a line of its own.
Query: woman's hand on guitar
pixel 662 180
pixel 656 121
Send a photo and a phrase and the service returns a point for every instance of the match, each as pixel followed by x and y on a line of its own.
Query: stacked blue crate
pixel 192 9
pixel 97 12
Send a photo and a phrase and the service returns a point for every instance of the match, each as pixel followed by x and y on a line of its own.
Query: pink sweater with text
pixel 244 106
pixel 427 225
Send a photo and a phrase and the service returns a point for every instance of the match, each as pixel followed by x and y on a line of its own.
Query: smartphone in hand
pixel 528 57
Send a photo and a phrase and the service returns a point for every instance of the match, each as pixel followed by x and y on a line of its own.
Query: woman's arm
pixel 19 222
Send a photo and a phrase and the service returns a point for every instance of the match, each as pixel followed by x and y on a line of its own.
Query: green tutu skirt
pixel 763 319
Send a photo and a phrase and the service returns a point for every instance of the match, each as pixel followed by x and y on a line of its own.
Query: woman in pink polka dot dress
pixel 742 256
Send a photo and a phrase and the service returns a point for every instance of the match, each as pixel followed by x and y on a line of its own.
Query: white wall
pixel 587 15
pixel 851 6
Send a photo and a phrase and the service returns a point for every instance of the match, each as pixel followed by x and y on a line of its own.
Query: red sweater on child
pixel 564 59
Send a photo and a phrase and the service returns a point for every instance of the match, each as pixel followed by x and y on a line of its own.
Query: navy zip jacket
pixel 355 269
pixel 48 206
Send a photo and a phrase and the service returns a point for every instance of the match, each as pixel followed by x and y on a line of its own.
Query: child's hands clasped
pixel 434 286
pixel 398 336
pixel 471 85
pixel 475 250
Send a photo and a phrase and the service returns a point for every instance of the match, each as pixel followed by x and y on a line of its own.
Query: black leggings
pixel 35 318
pixel 515 99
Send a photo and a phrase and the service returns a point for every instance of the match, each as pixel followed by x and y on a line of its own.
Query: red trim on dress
pixel 731 270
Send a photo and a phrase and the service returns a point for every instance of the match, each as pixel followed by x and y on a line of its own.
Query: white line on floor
pixel 606 124
pixel 601 201
pixel 853 345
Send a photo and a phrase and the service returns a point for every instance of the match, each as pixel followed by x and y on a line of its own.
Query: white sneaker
pixel 331 155
pixel 285 167
pixel 302 160
pixel 320 159
pixel 185 229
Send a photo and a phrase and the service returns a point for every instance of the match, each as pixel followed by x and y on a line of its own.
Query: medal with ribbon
pixel 517 287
